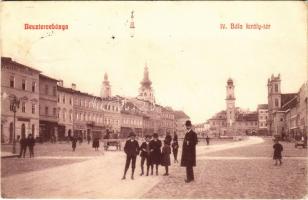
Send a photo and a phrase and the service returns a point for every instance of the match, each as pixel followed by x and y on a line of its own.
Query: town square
pixel 144 100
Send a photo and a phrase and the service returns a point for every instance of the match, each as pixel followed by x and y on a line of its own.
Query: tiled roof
pixel 247 117
pixel 178 114
pixel 9 60
pixel 290 104
pixel 47 77
pixel 285 98
pixel 263 106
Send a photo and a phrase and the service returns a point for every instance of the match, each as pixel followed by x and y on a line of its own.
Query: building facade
pixel 180 119
pixel 65 111
pixel 287 111
pixel 22 83
pixel 234 120
pixel 290 119
pixel 48 108
pixel 262 119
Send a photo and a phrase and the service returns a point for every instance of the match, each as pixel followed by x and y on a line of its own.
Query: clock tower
pixel 230 103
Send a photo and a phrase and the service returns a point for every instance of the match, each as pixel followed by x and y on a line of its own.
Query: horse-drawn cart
pixel 112 142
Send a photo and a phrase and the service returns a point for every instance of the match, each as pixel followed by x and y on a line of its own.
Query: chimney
pixel 60 83
pixel 73 86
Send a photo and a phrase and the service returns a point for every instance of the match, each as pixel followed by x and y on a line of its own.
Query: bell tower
pixel 230 103
pixel 106 88
pixel 145 91
pixel 274 100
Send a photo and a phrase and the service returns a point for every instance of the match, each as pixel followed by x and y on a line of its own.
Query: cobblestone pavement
pixel 245 172
pixel 97 177
pixel 100 177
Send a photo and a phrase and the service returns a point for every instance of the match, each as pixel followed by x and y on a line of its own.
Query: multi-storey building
pixel 65 111
pixel 48 107
pixel 131 120
pixel 88 116
pixel 276 102
pixel 180 119
pixel 112 114
pixel 19 82
pixel 262 119
pixel 167 120
pixel 218 124
pixel 233 120
pixel 287 112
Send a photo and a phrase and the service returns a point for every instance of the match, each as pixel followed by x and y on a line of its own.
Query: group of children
pixel 151 153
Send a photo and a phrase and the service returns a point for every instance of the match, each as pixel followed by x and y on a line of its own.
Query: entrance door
pixel 23 130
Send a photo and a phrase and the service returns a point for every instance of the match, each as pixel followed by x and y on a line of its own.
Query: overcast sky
pixel 189 57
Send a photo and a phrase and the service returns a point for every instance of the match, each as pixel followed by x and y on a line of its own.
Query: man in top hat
pixel 188 159
pixel 131 149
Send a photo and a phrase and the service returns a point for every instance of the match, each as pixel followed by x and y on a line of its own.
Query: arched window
pixel 276 87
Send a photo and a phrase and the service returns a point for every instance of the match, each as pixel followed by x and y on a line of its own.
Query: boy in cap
pixel 131 149
pixel 145 155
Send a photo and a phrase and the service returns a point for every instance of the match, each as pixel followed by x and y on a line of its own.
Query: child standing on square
pixel 165 159
pixel 277 152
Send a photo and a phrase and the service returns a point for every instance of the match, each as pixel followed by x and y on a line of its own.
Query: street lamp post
pixel 15 104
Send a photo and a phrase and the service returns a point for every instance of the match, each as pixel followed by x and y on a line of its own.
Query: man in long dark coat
pixel 23 146
pixel 131 149
pixel 31 143
pixel 188 159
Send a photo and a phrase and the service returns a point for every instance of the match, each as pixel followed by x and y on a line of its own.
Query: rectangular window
pixel 58 98
pixel 63 100
pixel 12 81
pixel 54 90
pixel 33 108
pixel 54 112
pixel 33 86
pixel 46 89
pixel 23 107
pixel 46 111
pixel 70 101
pixel 23 84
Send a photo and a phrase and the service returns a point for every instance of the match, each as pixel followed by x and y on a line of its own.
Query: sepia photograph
pixel 154 100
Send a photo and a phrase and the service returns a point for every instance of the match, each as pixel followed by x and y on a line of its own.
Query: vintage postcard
pixel 148 99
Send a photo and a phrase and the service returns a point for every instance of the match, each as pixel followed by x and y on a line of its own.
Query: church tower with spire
pixel 145 91
pixel 106 88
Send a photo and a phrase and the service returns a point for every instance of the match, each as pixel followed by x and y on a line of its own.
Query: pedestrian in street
pixel 168 138
pixel 145 155
pixel 165 158
pixel 188 159
pixel 23 146
pixel 155 152
pixel 95 143
pixel 207 139
pixel 131 149
pixel 74 142
pixel 88 138
pixel 175 147
pixel 278 148
pixel 31 143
